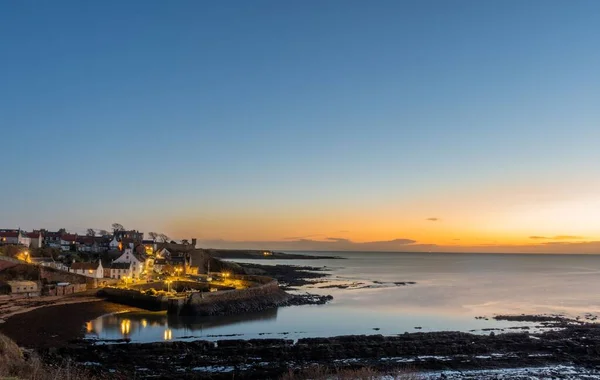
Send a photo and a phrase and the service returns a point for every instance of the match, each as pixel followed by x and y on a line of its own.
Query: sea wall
pixel 260 297
pixel 135 298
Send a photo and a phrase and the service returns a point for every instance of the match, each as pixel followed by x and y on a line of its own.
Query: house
pixel 138 262
pixel 49 262
pixel 163 252
pixel 94 270
pixel 26 288
pixel 181 262
pixel 159 264
pixel 52 239
pixel 36 239
pixel 149 246
pixel 16 237
pixel 68 242
pixel 120 270
pixel 93 244
pixel 85 243
pixel 114 244
pixel 135 236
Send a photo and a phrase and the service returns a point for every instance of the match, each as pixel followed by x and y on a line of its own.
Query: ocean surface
pixel 451 290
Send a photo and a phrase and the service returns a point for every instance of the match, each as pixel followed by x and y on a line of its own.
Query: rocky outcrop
pixel 269 358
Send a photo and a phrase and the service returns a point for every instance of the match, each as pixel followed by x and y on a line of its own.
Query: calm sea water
pixel 450 291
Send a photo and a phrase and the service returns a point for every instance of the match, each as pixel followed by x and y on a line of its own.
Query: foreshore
pixel 577 345
pixel 57 333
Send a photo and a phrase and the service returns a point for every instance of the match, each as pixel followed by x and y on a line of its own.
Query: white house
pixel 36 239
pixel 93 270
pixel 114 244
pixel 138 263
pixel 16 237
pixel 120 270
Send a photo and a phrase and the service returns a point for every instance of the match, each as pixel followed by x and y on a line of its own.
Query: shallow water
pixel 450 291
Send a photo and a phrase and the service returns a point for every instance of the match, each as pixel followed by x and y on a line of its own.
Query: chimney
pixel 194 242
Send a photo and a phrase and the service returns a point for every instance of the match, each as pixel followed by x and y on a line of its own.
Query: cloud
pixel 558 237
pixel 433 219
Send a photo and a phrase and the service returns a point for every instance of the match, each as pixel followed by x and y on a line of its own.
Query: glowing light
pixel 144 323
pixel 168 335
pixel 125 326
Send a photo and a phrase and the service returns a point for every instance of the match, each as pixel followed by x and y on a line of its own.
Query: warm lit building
pixel 138 263
pixel 149 246
pixel 120 270
pixel 94 270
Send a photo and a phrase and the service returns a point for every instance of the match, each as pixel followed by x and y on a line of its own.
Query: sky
pixel 394 125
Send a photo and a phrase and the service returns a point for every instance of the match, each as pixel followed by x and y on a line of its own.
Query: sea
pixel 451 292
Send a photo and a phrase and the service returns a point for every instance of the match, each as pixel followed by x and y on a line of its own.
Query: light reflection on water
pixel 451 290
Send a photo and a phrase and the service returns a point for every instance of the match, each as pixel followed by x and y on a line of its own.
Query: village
pixel 123 258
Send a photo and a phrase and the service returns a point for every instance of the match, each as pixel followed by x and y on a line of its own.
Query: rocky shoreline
pixel 289 276
pixel 270 358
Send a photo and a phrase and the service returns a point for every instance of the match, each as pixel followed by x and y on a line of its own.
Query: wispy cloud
pixel 433 219
pixel 558 237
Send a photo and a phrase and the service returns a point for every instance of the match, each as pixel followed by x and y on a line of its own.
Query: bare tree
pixel 117 227
pixel 153 235
pixel 90 232
pixel 164 237
pixel 103 233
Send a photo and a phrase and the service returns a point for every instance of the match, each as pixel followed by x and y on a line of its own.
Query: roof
pixel 178 259
pixel 34 235
pixel 84 266
pixel 120 266
pixel 9 234
pixel 22 283
pixel 86 239
pixel 69 237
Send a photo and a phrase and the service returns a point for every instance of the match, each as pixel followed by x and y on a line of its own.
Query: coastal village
pixel 154 273
pixel 119 258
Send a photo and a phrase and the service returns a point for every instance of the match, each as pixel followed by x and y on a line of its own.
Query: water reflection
pixel 155 326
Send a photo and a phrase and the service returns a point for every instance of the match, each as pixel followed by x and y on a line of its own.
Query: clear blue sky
pixel 146 112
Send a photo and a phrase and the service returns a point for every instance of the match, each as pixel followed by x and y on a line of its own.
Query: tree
pixel 164 237
pixel 185 242
pixel 153 235
pixel 103 233
pixel 117 227
pixel 90 232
